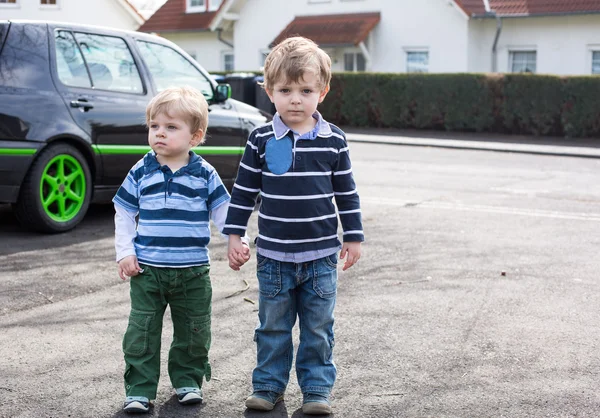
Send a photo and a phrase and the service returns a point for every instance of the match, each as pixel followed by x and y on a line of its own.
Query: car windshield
pixel 171 69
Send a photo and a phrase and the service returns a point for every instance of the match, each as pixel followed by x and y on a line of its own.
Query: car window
pixel 69 62
pixel 24 58
pixel 169 68
pixel 110 63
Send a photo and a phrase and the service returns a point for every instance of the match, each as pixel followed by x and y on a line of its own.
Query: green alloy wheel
pixel 56 192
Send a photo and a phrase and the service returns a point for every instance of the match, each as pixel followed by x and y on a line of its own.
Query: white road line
pixel 579 216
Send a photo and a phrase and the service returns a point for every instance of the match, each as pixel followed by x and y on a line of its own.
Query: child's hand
pixel 129 267
pixel 352 250
pixel 238 252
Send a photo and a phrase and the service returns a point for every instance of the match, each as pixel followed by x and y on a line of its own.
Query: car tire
pixel 56 192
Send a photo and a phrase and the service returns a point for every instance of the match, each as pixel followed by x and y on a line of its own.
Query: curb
pixel 564 151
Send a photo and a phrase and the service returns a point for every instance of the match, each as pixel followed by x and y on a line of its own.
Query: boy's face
pixel 171 139
pixel 297 101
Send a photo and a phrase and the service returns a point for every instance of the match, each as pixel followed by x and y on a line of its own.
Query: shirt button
pixel 298 158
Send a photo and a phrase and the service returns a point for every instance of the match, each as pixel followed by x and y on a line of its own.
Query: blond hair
pixel 291 58
pixel 185 102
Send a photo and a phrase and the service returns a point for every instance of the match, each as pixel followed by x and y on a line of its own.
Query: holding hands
pixel 238 252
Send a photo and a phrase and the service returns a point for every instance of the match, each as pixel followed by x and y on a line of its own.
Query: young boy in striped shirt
pixel 298 164
pixel 175 193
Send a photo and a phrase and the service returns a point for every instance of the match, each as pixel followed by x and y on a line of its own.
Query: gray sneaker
pixel 136 405
pixel 263 400
pixel 316 404
pixel 189 396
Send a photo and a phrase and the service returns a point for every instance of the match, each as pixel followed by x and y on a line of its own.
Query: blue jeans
pixel 290 290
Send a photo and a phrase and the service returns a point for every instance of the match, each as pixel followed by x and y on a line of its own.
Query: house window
pixel 194 6
pixel 523 61
pixel 354 61
pixel 199 6
pixel 9 3
pixel 417 61
pixel 227 61
pixel 48 2
pixel 595 62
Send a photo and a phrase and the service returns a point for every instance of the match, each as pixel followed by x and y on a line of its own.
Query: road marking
pixel 579 216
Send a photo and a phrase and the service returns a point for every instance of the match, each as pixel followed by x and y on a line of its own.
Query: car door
pixel 225 139
pixel 100 82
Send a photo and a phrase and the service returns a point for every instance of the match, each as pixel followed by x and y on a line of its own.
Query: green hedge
pixel 512 103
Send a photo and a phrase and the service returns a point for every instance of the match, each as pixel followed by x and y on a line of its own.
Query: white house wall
pixel 564 44
pixel 94 12
pixel 204 46
pixel 433 25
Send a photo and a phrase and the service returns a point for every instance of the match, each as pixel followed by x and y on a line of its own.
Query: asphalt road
pixel 477 296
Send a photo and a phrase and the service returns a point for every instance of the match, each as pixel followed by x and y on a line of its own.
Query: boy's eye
pixel 172 127
pixel 285 90
pixel 154 126
pixel 307 91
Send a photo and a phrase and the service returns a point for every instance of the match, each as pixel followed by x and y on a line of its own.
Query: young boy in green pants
pixel 175 193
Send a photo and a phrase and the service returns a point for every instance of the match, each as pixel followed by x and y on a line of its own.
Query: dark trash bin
pixel 262 99
pixel 243 87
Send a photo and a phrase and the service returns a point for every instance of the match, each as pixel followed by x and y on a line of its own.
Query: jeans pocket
pixel 261 261
pixel 269 277
pixel 199 342
pixel 325 281
pixel 135 341
pixel 331 261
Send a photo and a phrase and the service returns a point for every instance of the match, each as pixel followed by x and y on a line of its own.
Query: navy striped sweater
pixel 297 182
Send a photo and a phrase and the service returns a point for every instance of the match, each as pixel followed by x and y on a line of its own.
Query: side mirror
pixel 223 92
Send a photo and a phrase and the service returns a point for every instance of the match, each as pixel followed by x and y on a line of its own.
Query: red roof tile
pixel 172 17
pixel 531 7
pixel 342 29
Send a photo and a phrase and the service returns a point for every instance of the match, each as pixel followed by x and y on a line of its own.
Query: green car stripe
pixel 142 149
pixel 131 149
pixel 17 151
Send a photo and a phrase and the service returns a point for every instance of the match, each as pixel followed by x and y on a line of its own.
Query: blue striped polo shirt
pixel 174 210
pixel 298 182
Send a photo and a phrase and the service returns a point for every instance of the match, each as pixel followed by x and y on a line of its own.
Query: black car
pixel 72 115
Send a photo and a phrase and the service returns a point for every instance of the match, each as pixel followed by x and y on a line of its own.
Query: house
pixel 187 23
pixel 441 36
pixel 119 14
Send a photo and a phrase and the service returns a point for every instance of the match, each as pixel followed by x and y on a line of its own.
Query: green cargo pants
pixel 188 292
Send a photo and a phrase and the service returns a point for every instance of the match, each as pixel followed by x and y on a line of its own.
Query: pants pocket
pixel 269 277
pixel 135 341
pixel 200 337
pixel 325 281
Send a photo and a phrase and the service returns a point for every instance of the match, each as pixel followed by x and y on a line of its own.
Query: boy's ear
pixel 323 94
pixel 270 94
pixel 197 138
